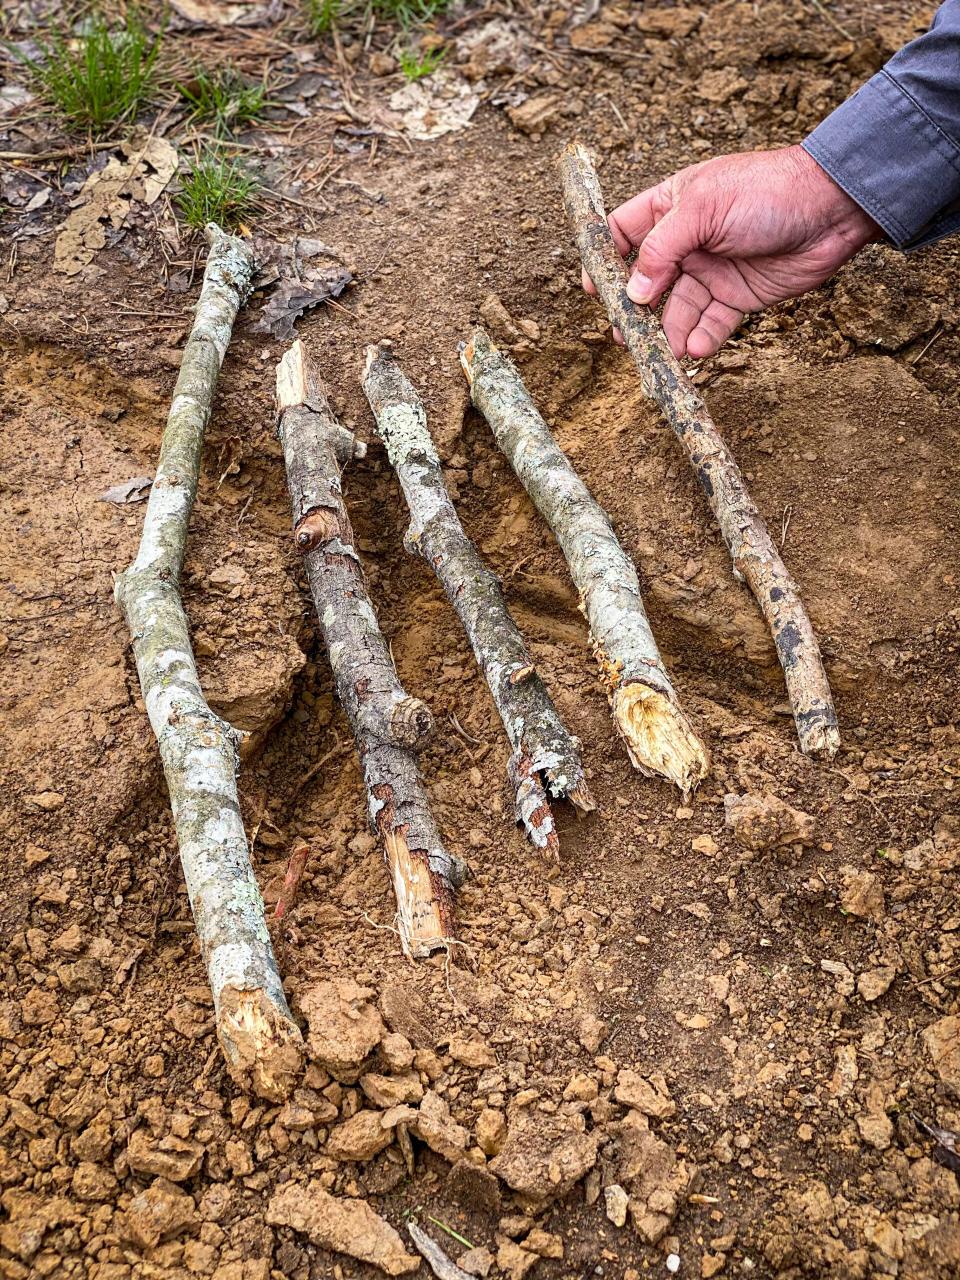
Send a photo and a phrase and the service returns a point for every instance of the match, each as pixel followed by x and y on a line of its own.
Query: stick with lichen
pixel 664 380
pixel 387 723
pixel 659 737
pixel 261 1043
pixel 545 758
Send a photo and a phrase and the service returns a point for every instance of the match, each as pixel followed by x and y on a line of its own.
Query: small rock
pixel 720 85
pixel 535 114
pixel 862 894
pixel 515 1261
pixel 491 1130
pixel 397 1051
pixel 876 1129
pixel 391 1091
pixel 360 1138
pixel 544 1243
pixel 346 1226
pixel 711 1264
pixel 705 844
pixel 651 1097
pixel 471 1052
pixel 48 801
pixel 175 1159
pixel 656 1178
pixel 760 822
pixel 942 1040
pixel 581 1088
pixel 874 983
pixel 159 1213
pixel 592 1032
pixel 616 1201
pixel 345 1028
pixel 92 1182
pixel 381 64
pixel 435 1126
pixel 476 1262
pixel 544 1156
pixel 39 1007
pixel 497 318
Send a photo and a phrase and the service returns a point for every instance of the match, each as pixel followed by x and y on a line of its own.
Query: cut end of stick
pixel 424 918
pixel 478 345
pixel 660 739
pixel 411 723
pixel 294 378
pixel 262 1045
pixel 821 740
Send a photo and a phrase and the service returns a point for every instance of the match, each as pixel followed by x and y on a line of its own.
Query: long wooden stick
pixel 387 723
pixel 664 380
pixel 659 738
pixel 545 756
pixel 260 1041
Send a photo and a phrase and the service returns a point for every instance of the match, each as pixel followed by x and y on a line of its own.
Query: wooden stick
pixel 291 881
pixel 545 756
pixel 387 723
pixel 664 380
pixel 260 1041
pixel 659 738
pixel 443 1268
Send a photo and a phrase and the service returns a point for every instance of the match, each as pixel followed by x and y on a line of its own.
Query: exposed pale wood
pixel 546 758
pixel 260 1041
pixel 387 722
pixel 659 738
pixel 755 558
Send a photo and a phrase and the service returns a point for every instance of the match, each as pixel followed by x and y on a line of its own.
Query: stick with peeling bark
pixel 659 738
pixel 664 380
pixel 387 723
pixel 545 756
pixel 260 1041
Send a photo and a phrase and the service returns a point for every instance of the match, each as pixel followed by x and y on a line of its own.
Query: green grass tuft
pixel 409 12
pixel 223 97
pixel 99 77
pixel 322 15
pixel 415 64
pixel 216 189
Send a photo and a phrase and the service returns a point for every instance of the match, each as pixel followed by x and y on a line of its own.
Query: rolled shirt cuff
pixel 890 156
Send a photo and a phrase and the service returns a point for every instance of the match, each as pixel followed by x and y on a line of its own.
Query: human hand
pixel 732 235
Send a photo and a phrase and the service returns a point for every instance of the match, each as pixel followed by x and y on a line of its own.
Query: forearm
pixel 894 146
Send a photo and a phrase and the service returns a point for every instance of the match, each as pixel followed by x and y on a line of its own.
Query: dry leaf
pixel 228 13
pixel 128 491
pixel 429 108
pixel 292 297
pixel 106 197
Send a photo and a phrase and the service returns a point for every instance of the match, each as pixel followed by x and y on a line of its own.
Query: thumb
pixel 661 254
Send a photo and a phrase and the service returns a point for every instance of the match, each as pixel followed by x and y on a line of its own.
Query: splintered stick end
pixel 659 738
pixel 262 1045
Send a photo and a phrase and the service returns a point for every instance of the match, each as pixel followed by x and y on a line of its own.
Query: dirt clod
pixel 346 1226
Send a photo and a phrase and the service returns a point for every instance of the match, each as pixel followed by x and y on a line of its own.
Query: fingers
pixel 631 222
pixel 716 325
pixel 587 283
pixel 694 322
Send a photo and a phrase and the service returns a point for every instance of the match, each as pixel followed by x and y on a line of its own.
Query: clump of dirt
pixel 707 1032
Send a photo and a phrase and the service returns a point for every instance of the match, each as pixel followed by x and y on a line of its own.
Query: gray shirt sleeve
pixel 894 146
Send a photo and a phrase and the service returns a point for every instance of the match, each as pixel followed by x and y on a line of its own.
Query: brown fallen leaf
pixel 292 297
pixel 128 492
pixel 228 13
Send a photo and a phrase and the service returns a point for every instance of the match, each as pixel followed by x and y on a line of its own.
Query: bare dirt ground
pixel 795 1006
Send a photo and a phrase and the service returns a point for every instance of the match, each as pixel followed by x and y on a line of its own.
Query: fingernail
pixel 638 288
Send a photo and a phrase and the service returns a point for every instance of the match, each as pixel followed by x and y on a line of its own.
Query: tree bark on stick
pixel 387 723
pixel 755 558
pixel 545 756
pixel 659 738
pixel 260 1041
